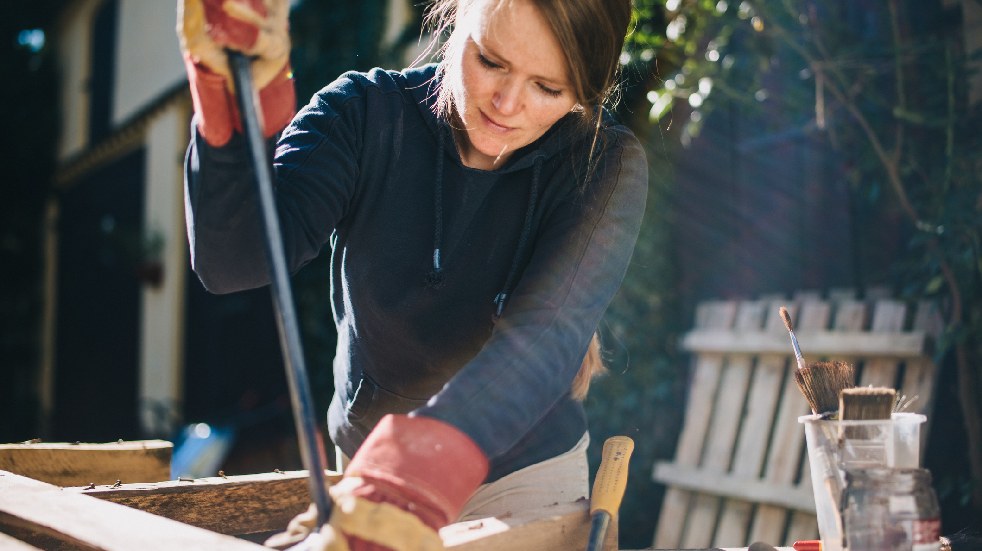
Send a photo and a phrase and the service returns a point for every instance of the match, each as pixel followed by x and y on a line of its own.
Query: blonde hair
pixel 592 366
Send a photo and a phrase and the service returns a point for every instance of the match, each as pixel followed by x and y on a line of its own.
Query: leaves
pixel 891 81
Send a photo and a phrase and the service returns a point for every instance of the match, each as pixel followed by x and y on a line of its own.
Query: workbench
pixel 230 513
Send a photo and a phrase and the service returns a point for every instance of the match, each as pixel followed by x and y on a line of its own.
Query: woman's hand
pixel 258 29
pixel 411 477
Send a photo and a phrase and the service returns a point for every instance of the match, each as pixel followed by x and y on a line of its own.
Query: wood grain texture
pixel 727 414
pixel 699 403
pixel 741 489
pixel 757 426
pixel 44 515
pixel 235 505
pixel 560 527
pixel 65 464
pixel 35 514
pixel 921 374
pixel 888 316
pixel 884 344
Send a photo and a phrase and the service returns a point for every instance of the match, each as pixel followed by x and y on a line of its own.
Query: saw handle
pixel 608 488
pixel 611 481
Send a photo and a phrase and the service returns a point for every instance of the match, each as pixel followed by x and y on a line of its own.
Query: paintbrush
pixel 866 403
pixel 864 445
pixel 786 317
pixel 819 382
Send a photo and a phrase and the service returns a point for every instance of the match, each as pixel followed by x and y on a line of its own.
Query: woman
pixel 481 214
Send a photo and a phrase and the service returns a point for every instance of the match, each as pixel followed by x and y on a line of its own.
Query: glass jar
pixel 890 510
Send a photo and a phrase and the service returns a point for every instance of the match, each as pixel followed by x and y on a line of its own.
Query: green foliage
pixel 885 84
pixel 331 37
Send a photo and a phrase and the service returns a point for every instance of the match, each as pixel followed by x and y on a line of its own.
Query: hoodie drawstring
pixel 434 279
pixel 502 296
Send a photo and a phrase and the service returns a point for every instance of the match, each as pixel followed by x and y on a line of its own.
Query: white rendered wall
pixel 148 58
pixel 162 310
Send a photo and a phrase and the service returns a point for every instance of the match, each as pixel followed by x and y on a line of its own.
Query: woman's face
pixel 514 81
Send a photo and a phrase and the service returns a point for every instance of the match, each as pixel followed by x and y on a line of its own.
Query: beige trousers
pixel 561 479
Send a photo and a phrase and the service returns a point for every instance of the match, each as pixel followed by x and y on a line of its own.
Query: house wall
pixel 160 381
pixel 148 59
pixel 149 110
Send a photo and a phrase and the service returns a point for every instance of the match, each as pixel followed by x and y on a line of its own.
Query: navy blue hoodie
pixel 426 253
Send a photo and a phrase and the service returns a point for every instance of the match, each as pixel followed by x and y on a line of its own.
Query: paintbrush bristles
pixel 821 383
pixel 866 403
pixel 786 317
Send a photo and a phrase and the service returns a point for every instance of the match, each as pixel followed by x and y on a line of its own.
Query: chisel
pixel 310 441
pixel 608 488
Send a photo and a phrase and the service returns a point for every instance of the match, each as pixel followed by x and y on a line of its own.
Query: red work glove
pixel 257 28
pixel 411 477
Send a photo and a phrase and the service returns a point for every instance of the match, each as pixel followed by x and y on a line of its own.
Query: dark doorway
pixel 98 313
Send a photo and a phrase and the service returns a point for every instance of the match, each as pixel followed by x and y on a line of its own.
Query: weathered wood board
pixel 45 516
pixel 740 471
pixel 234 505
pixel 560 527
pixel 49 517
pixel 80 464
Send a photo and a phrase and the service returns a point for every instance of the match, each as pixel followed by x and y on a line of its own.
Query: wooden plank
pixel 787 442
pixel 738 487
pixel 557 528
pixel 702 391
pixel 765 391
pixel 723 430
pixel 882 344
pixel 35 511
pixel 79 464
pixel 888 316
pixel 234 505
pixel 849 316
pixel 920 375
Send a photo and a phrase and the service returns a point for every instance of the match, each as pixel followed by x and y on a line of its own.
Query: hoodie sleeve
pixel 315 165
pixel 579 259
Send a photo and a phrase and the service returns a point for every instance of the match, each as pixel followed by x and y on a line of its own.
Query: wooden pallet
pixel 215 513
pixel 740 473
